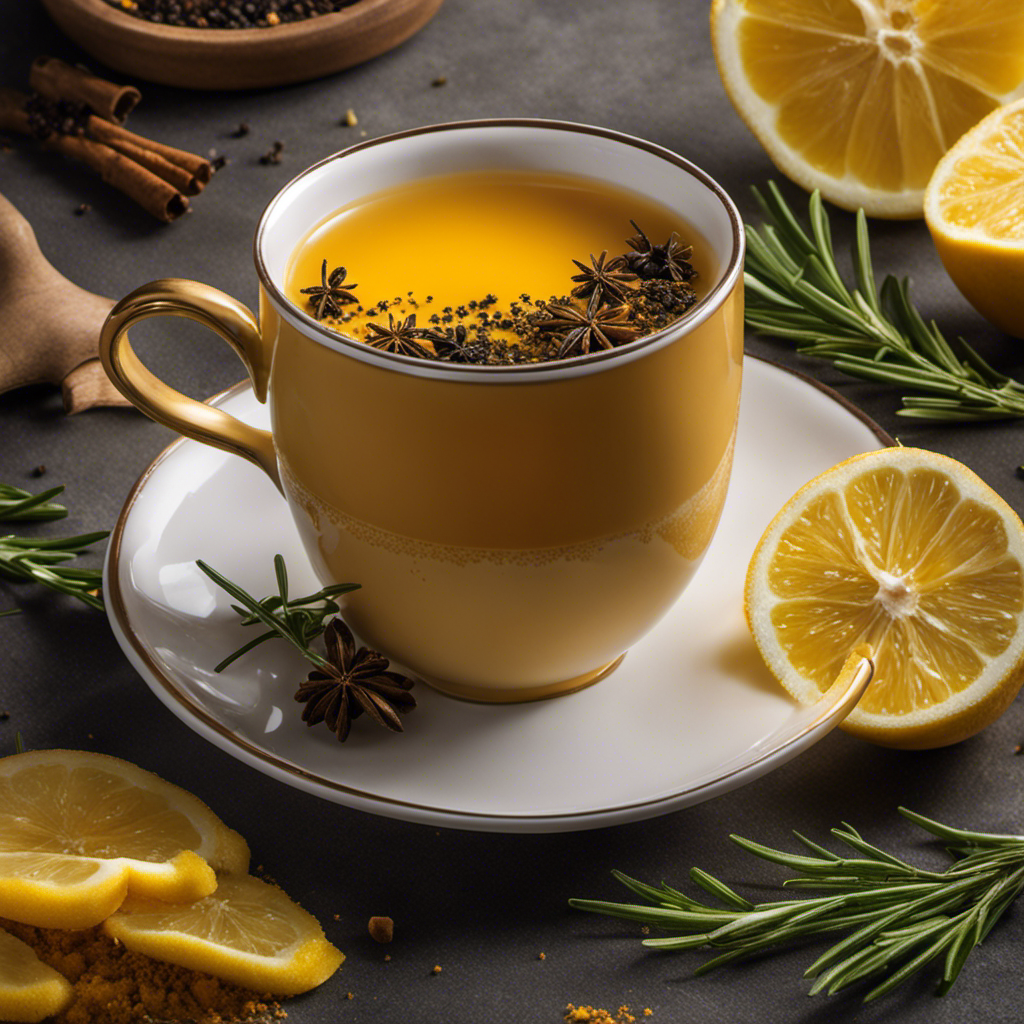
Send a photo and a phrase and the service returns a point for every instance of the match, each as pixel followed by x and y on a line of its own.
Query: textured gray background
pixel 482 906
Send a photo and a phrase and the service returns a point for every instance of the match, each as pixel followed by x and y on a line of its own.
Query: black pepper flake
pixel 241 131
pixel 81 209
pixel 273 155
pixel 38 471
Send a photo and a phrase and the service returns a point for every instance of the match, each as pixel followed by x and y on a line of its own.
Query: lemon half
pixel 912 554
pixel 974 207
pixel 861 98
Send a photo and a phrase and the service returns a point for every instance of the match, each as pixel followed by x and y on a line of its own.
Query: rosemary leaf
pixel 299 621
pixel 40 560
pixel 797 292
pixel 18 504
pixel 898 918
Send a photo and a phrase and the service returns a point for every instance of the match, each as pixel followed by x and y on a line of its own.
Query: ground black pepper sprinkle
pixel 81 209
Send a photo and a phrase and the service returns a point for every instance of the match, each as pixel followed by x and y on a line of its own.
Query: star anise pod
pixel 401 336
pixel 329 296
pixel 669 261
pixel 452 344
pixel 354 682
pixel 594 327
pixel 609 279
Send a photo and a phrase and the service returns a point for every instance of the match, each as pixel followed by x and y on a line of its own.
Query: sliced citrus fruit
pixel 78 831
pixel 29 989
pixel 247 932
pixel 912 554
pixel 860 98
pixel 974 206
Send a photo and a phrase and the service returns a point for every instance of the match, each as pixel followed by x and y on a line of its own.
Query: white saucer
pixel 691 712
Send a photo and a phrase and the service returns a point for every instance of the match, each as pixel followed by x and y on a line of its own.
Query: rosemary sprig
pixel 897 917
pixel 796 291
pixel 298 620
pixel 31 559
pixel 17 504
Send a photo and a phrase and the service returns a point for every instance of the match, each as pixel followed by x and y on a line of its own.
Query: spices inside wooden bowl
pixel 190 56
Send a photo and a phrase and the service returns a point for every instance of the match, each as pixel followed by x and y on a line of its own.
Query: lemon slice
pixel 913 555
pixel 974 206
pixel 78 831
pixel 860 98
pixel 247 932
pixel 29 989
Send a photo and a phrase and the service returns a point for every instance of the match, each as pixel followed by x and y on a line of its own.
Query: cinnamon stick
pixel 152 193
pixel 154 155
pixel 57 80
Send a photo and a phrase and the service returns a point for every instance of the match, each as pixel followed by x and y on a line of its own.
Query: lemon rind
pixel 29 1000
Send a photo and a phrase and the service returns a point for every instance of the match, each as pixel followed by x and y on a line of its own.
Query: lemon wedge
pixel 974 208
pixel 79 831
pixel 29 989
pixel 911 554
pixel 247 932
pixel 860 98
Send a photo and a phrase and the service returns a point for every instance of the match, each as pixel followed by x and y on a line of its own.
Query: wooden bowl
pixel 247 58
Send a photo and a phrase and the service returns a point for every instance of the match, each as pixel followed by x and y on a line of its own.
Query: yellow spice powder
pixel 594 1015
pixel 113 985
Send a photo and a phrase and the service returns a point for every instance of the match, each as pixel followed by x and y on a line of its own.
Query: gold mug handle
pixel 226 317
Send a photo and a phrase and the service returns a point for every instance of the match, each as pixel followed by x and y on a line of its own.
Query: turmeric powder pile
pixel 116 986
pixel 596 1015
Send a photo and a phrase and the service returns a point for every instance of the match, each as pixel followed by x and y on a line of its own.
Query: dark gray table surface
pixel 480 905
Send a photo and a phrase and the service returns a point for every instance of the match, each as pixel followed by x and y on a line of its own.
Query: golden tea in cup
pixel 487 252
pixel 515 527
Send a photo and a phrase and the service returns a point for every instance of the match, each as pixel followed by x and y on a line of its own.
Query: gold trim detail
pixel 515 695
